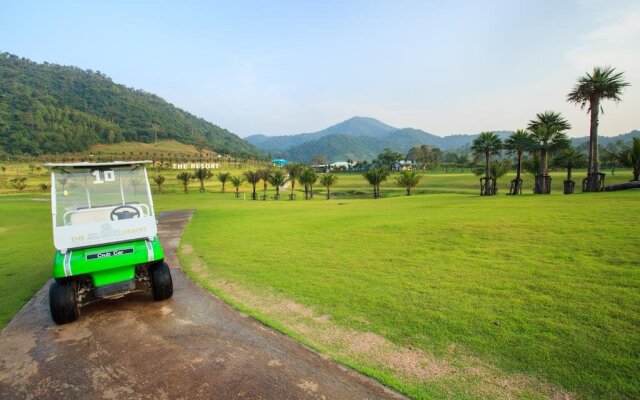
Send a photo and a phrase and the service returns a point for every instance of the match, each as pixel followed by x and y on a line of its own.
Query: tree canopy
pixel 48 108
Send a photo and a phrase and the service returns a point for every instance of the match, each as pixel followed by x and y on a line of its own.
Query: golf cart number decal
pixel 111 253
pixel 109 176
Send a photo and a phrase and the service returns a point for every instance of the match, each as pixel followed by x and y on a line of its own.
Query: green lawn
pixel 439 295
pixel 545 286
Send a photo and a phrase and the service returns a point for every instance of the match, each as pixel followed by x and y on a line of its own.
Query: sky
pixel 287 67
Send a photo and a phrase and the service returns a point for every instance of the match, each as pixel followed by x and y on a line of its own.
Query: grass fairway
pixel 26 250
pixel 541 286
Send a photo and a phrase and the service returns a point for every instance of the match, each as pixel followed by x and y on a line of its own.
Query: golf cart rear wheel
pixel 62 302
pixel 161 283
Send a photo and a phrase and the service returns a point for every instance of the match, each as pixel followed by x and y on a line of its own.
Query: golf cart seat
pixel 104 214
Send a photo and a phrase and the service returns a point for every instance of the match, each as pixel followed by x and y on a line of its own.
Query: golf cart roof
pixel 86 164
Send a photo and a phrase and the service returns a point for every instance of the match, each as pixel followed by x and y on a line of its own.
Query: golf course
pixel 443 294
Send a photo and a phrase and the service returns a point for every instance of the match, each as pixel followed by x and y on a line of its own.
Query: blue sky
pixel 285 67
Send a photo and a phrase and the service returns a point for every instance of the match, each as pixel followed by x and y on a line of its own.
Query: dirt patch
pixel 456 369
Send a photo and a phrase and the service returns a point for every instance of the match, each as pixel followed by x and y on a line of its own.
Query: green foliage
pixel 48 108
pixel 236 181
pixel 629 156
pixel 277 179
pixel 185 179
pixel 308 178
pixel 547 131
pixel 408 180
pixel 388 157
pixel 159 180
pixel 202 174
pixel 328 180
pixel 375 177
pixel 602 83
pixel 223 177
pixel 427 156
pixel 253 177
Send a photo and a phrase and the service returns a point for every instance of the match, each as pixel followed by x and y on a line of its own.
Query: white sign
pixel 196 166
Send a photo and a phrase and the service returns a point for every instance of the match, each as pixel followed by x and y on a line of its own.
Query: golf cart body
pixel 104 230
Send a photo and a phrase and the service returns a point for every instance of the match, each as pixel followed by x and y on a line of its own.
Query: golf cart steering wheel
pixel 127 212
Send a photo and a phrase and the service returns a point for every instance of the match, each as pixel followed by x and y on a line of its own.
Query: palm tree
pixel 308 178
pixel 202 174
pixel 408 180
pixel 497 169
pixel 223 177
pixel 602 84
pixel 277 179
pixel 253 177
pixel 185 178
pixel 265 175
pixel 236 181
pixel 487 143
pixel 519 142
pixel 328 180
pixel 547 131
pixel 569 158
pixel 295 170
pixel 159 180
pixel 629 156
pixel 375 177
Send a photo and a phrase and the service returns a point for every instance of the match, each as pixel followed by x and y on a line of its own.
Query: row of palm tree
pixel 305 176
pixel 545 135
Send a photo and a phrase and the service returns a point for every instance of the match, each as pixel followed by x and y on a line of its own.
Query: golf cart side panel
pixel 107 264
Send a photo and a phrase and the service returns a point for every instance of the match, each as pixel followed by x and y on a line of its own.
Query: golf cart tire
pixel 161 283
pixel 62 302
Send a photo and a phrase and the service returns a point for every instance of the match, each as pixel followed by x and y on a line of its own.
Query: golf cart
pixel 105 234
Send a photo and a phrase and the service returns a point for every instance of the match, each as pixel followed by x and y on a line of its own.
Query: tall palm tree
pixel 253 177
pixel 487 143
pixel 265 175
pixel 276 180
pixel 185 178
pixel 408 180
pixel 547 130
pixel 516 144
pixel 328 180
pixel 375 177
pixel 629 156
pixel 236 181
pixel 604 83
pixel 569 158
pixel 294 170
pixel 223 177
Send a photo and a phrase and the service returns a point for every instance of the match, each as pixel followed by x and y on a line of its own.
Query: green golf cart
pixel 105 234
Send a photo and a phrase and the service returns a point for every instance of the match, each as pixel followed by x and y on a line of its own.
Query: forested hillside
pixel 48 108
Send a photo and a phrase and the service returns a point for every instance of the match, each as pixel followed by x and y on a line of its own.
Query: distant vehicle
pixel 105 234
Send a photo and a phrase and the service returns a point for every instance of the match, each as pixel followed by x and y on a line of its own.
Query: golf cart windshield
pixel 95 204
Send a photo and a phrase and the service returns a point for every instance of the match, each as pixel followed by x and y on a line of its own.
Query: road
pixel 193 346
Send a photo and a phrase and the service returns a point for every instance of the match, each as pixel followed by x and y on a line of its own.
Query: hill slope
pixel 48 108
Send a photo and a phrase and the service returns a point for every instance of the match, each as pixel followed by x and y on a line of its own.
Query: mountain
pixel 361 138
pixel 356 126
pixel 358 138
pixel 49 108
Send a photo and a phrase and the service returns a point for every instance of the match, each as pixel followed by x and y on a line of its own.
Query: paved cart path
pixel 191 346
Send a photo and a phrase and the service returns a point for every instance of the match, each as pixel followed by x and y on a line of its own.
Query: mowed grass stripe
pixel 539 285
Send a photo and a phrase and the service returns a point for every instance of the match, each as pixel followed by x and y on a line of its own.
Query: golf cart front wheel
pixel 62 302
pixel 161 283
